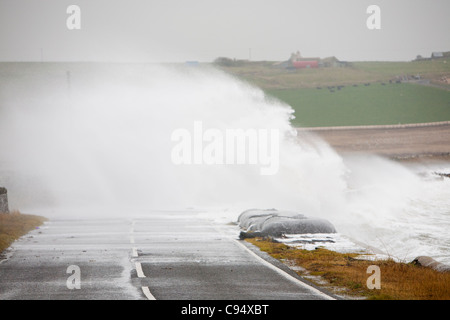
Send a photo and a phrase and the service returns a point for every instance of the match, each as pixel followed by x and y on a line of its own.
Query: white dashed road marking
pixel 148 293
pixel 139 271
pixel 283 273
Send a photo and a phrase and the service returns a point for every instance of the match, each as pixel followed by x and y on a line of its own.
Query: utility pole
pixel 68 77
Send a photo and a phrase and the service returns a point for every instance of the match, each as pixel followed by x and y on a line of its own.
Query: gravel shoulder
pixel 417 142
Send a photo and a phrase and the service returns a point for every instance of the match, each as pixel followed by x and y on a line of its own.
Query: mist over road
pixel 165 255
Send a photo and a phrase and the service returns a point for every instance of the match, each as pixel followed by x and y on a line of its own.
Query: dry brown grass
pixel 399 281
pixel 14 225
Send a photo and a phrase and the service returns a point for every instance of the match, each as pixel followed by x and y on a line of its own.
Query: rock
pixel 444 175
pixel 429 262
pixel 4 208
pixel 271 222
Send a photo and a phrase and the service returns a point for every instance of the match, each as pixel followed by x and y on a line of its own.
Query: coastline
pixel 351 277
pixel 424 144
pixel 421 143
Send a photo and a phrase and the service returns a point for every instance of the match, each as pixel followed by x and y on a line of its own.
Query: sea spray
pixel 105 141
pixel 100 142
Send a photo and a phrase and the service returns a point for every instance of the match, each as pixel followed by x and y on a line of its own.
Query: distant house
pixel 298 62
pixel 304 64
pixel 435 55
pixel 420 58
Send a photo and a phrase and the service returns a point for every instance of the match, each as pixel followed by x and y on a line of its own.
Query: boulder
pixel 271 222
pixel 429 262
pixel 4 208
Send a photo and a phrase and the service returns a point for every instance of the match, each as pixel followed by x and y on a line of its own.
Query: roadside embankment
pixel 423 141
pixel 14 225
pixel 347 275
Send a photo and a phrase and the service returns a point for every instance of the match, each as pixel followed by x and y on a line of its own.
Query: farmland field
pixel 375 104
pixel 369 92
pixel 265 75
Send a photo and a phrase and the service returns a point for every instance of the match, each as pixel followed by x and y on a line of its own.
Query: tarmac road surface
pixel 162 256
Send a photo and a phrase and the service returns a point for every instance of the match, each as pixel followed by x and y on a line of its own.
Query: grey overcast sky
pixel 181 30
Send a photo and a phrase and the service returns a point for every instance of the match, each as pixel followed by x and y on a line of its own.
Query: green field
pixel 375 104
pixel 356 104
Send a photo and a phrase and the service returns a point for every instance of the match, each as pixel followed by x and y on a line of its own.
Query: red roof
pixel 306 64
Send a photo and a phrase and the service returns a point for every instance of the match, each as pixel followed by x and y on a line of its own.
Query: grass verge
pixel 346 275
pixel 14 225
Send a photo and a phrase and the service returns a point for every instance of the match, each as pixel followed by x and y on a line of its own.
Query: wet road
pixel 162 256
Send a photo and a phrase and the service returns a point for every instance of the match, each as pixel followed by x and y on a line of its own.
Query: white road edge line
pixel 134 252
pixel 283 273
pixel 148 294
pixel 139 271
